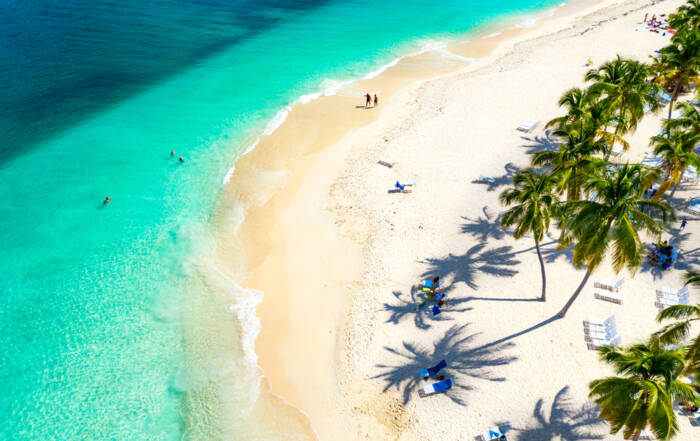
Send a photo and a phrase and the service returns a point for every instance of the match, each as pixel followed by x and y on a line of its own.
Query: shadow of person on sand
pixel 422 316
pixel 565 422
pixel 463 361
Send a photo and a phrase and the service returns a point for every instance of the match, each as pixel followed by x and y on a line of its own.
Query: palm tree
pixel 644 390
pixel 689 119
pixel 576 102
pixel 676 147
pixel 686 17
pixel 612 220
pixel 678 332
pixel 678 64
pixel 692 278
pixel 536 203
pixel 573 160
pixel 623 88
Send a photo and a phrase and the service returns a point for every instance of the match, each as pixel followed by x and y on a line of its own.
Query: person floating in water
pixel 107 200
pixel 368 100
pixel 376 100
pixel 172 152
pixel 181 159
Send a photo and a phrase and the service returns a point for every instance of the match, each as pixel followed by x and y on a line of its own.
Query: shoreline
pixel 277 186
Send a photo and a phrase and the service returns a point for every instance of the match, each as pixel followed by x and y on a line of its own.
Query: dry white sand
pixel 348 341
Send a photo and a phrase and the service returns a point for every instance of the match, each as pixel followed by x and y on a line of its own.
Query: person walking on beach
pixel 376 100
pixel 368 100
pixel 684 222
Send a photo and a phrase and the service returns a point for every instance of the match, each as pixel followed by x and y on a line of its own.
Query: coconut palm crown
pixel 534 203
pixel 612 221
pixel 644 390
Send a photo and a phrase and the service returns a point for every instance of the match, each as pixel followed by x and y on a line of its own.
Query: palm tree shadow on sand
pixel 483 228
pixel 464 267
pixel 410 306
pixel 566 421
pixel 462 359
pixel 540 143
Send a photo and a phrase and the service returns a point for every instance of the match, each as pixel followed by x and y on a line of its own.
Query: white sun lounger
pixel 608 323
pixel 488 179
pixel 387 162
pixel 617 149
pixel 647 434
pixel 672 292
pixel 690 174
pixel 610 286
pixel 440 386
pixel 609 296
pixel 528 126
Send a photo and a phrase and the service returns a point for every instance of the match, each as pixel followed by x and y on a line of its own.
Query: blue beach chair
pixel 425 373
pixel 441 386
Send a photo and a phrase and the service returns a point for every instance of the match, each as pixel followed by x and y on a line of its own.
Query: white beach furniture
pixel 609 296
pixel 618 149
pixel 610 286
pixel 690 174
pixel 647 434
pixel 440 386
pixel 488 179
pixel 528 126
pixel 651 160
pixel 387 162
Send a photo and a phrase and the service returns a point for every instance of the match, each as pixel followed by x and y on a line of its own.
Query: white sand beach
pixel 339 258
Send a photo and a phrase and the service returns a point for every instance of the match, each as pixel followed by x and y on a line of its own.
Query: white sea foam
pixel 251 147
pixel 331 87
pixel 529 23
pixel 276 121
pixel 451 55
pixel 491 35
pixel 228 176
pixel 305 99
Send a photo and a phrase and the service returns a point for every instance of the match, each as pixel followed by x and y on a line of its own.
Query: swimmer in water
pixel 172 152
pixel 107 200
pixel 182 159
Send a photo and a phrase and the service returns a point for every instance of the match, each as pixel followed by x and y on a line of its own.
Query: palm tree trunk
pixel 544 278
pixel 566 307
pixel 674 97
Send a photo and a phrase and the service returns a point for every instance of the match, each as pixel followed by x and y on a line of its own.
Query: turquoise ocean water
pixel 98 304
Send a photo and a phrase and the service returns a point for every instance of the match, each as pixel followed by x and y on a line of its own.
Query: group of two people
pixel 368 100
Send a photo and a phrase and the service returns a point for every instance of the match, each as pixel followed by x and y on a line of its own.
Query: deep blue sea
pixel 98 302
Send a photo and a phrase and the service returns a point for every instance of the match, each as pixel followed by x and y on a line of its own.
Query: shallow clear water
pixel 99 302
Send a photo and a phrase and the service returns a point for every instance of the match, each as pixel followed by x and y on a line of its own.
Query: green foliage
pixel 644 390
pixel 614 218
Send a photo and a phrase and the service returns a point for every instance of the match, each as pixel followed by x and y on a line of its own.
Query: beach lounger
pixel 483 178
pixel 690 174
pixel 425 373
pixel 610 286
pixel 399 188
pixel 440 386
pixel 672 292
pixel 663 97
pixel 618 149
pixel 528 126
pixel 651 160
pixel 608 323
pixel 493 433
pixel 693 206
pixel 675 115
pixel 646 434
pixel 609 296
pixel 387 162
